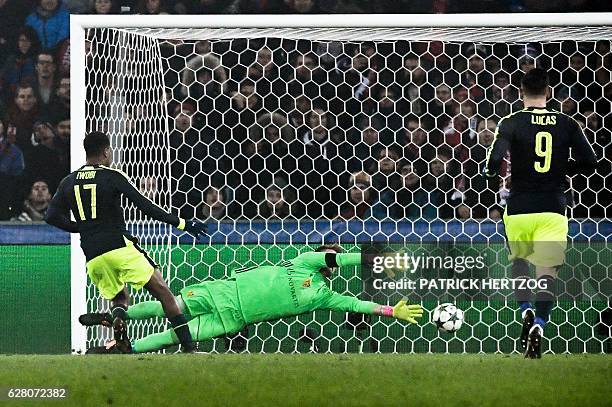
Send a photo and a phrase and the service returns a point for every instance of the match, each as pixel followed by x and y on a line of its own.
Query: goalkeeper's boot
pixel 528 319
pixel 110 348
pixel 534 343
pixel 96 318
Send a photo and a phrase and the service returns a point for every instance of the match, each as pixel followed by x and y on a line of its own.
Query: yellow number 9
pixel 543 148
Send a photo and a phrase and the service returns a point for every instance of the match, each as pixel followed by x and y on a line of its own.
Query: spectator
pixel 568 97
pixel 391 109
pixel 106 7
pixel 35 206
pixel 365 148
pixel 19 66
pixel 207 6
pixel 43 160
pixel 215 204
pixel 62 56
pixel 62 142
pixel 386 181
pixel 148 187
pixel 11 157
pixel 360 177
pixel 413 200
pixel 59 106
pixel 481 192
pixel 415 140
pixel 384 172
pixel 78 6
pixel 463 212
pixel 51 21
pixel 359 203
pixel 501 98
pixel 12 14
pixel 263 66
pixel 184 116
pixel 441 186
pixel 301 6
pixel 316 134
pixel 45 79
pixel 152 7
pixel 23 113
pixel 11 168
pixel 319 163
pixel 203 75
pixel 275 205
pixel 246 98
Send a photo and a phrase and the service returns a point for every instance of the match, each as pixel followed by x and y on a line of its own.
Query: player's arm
pixel 497 151
pixel 151 209
pixel 585 158
pixel 58 212
pixel 317 260
pixel 402 310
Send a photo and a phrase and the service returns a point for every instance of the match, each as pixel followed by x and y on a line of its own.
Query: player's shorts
pixel 214 308
pixel 540 238
pixel 111 271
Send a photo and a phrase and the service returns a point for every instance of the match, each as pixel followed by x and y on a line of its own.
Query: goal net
pixel 283 139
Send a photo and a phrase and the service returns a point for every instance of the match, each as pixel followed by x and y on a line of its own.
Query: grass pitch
pixel 313 380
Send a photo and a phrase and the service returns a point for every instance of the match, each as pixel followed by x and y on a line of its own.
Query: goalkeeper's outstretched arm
pixel 336 302
pixel 402 310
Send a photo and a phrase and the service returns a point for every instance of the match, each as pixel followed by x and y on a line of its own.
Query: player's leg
pixel 550 241
pixel 202 327
pixel 518 229
pixel 139 270
pixel 139 311
pixel 119 307
pixel 159 289
pixel 104 271
pixel 153 309
pixel 212 317
pixel 524 296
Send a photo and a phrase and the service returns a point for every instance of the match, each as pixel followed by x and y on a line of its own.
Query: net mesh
pixel 283 139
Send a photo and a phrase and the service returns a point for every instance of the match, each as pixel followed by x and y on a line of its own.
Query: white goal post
pixel 143 33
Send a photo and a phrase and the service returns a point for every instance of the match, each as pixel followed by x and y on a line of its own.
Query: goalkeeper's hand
pixel 407 312
pixel 196 228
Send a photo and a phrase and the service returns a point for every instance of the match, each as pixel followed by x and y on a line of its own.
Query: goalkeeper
pixel 257 294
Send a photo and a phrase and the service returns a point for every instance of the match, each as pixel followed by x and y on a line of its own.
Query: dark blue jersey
pixel 93 195
pixel 539 141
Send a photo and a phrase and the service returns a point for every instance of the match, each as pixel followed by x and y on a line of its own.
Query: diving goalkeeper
pixel 256 294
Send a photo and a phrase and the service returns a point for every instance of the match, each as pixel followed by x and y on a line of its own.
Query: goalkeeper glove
pixel 194 227
pixel 407 312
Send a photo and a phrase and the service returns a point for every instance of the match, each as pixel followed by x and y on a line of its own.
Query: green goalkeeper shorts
pixel 111 271
pixel 540 238
pixel 214 307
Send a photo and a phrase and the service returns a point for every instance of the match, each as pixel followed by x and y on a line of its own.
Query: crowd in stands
pixel 291 129
pixel 284 129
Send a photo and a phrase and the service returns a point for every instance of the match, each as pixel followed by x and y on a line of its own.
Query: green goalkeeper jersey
pixel 295 287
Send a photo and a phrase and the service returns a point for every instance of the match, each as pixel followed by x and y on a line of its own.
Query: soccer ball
pixel 447 317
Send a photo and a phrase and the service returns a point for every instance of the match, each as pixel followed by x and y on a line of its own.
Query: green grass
pixel 314 380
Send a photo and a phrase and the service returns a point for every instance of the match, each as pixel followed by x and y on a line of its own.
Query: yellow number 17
pixel 77 195
pixel 543 148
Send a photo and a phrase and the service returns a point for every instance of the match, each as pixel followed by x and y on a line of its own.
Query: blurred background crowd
pixel 291 129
